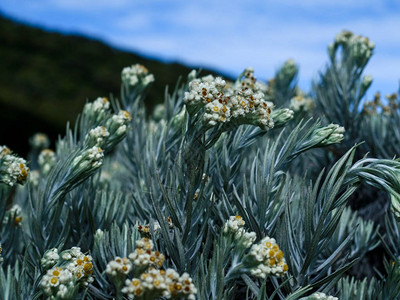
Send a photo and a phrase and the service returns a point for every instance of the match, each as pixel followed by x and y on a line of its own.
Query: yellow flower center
pixel 138 292
pixel 285 267
pixel 18 220
pixel 87 267
pixel 135 282
pixel 53 280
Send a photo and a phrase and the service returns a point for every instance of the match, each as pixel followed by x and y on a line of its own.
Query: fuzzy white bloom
pixel 343 37
pixel 80 265
pixel 143 258
pixel 136 74
pixel 119 266
pixel 145 243
pixel 46 160
pixel 148 79
pixel 166 283
pixel 1 250
pixel 39 141
pixel 133 288
pixel 58 282
pixel 50 258
pixel 123 117
pixel 98 109
pixel 242 103
pixel 96 136
pixel 13 169
pixel 358 47
pixel 268 258
pixel 92 157
pixel 234 226
pixel 95 154
pixel 101 103
pixel 117 125
pixel 301 103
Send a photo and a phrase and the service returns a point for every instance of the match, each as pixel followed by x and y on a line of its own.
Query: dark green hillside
pixel 46 77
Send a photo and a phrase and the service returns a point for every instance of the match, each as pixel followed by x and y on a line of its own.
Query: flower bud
pixel 281 116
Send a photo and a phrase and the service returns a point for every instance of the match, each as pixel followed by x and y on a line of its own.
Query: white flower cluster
pixel 79 264
pixel 145 243
pixel 119 266
pixel 136 74
pixel 152 281
pixel 69 269
pixel 165 283
pixel 58 283
pixel 111 133
pixel 92 157
pixel 235 226
pixel 46 160
pixel 321 296
pixel 95 154
pixel 144 256
pixel 13 169
pixel 243 102
pixel 50 258
pixel 1 250
pixel 97 110
pixel 269 259
pixel 359 47
pixel 100 104
pixel 301 103
pixel 119 122
pixel 39 141
pixel 96 136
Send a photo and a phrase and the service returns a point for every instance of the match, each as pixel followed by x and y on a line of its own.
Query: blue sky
pixel 230 35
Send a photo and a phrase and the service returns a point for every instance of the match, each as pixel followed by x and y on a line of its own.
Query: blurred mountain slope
pixel 46 77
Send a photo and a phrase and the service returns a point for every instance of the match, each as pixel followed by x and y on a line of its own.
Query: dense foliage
pixel 230 190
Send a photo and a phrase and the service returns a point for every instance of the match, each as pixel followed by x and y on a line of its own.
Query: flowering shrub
pixel 229 190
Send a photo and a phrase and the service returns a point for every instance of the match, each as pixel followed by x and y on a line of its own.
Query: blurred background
pixel 57 54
